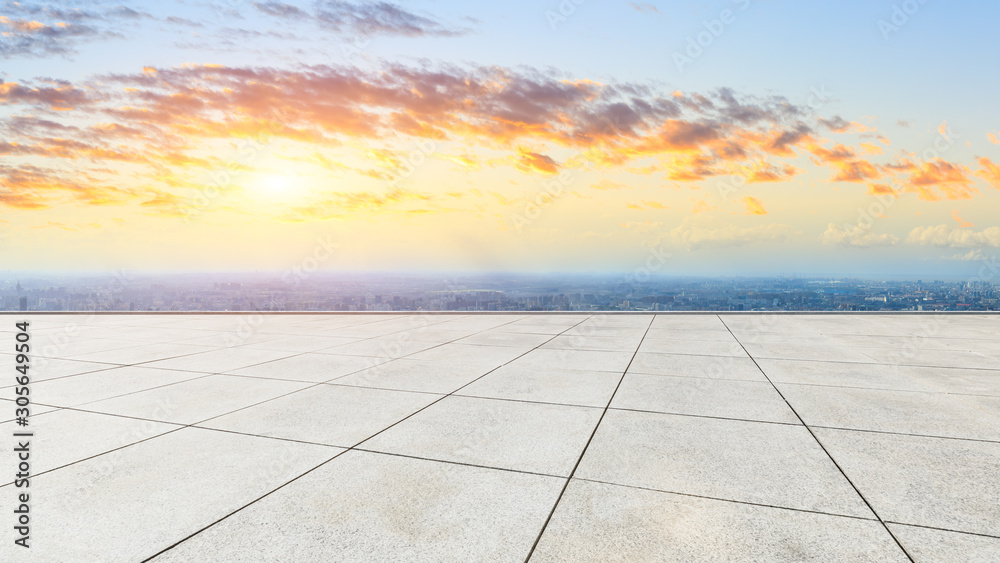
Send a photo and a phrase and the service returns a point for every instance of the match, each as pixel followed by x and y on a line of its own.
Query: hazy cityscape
pixel 480 292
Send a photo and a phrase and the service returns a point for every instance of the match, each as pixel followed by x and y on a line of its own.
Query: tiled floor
pixel 482 437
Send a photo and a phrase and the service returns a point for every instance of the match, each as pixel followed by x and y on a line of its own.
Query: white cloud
pixel 971 255
pixel 695 237
pixel 949 237
pixel 856 236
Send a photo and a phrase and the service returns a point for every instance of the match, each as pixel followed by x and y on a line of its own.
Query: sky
pixel 720 137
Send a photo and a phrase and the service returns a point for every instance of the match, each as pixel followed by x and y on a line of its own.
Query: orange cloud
pixel 871 149
pixel 962 223
pixel 528 161
pixel 951 179
pixel 855 171
pixel 58 98
pixel 701 206
pixel 339 204
pixel 605 184
pixel 680 136
pixel 763 172
pixel 882 189
pixel 989 171
pixel 754 206
pixel 154 126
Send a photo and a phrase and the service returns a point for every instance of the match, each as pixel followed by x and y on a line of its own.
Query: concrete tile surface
pixel 198 399
pixel 600 522
pixel 419 375
pixel 696 366
pixel 457 433
pixel 68 436
pixel 906 412
pixel 315 368
pixel 530 437
pixel 371 507
pixel 755 462
pixel 76 390
pixel 940 483
pixel 326 414
pixel 930 545
pixel 700 396
pixel 552 385
pixel 161 491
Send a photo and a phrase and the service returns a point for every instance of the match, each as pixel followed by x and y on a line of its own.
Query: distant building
pixel 24 303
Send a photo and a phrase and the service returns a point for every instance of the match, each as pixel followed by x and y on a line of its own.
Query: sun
pixel 276 186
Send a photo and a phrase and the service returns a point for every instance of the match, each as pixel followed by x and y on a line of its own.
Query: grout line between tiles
pixel 339 454
pixel 828 455
pixel 583 452
pixel 729 500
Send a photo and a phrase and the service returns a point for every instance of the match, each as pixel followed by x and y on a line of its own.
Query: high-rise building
pixel 24 303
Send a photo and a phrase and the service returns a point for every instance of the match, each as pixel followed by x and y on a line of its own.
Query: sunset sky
pixel 745 137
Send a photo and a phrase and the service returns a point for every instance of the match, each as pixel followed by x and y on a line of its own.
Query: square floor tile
pixel 143 353
pixel 77 390
pixel 717 335
pixel 532 437
pixel 196 399
pixel 588 360
pixel 153 487
pixel 815 352
pixel 842 374
pixel 325 414
pixel 84 345
pixel 925 544
pixel 419 375
pixel 68 436
pixel 298 343
pixel 721 367
pixel 372 507
pixel 911 356
pixel 725 398
pixel 387 347
pixel 563 386
pixel 772 464
pixel 956 380
pixel 512 339
pixel 487 356
pixel 686 322
pixel 43 369
pixel 600 522
pixel 316 368
pixel 907 412
pixel 941 483
pixel 219 361
pixel 693 347
pixel 591 342
pixel 8 410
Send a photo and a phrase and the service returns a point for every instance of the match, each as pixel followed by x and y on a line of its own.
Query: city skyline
pixel 638 291
pixel 712 138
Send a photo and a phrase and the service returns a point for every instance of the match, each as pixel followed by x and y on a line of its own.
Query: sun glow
pixel 277 186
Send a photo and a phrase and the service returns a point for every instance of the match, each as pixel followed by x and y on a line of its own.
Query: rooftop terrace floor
pixel 476 437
